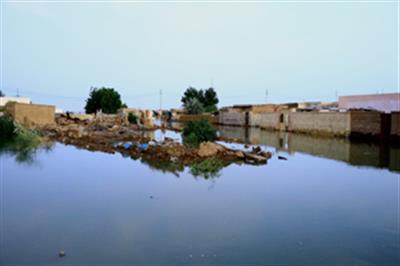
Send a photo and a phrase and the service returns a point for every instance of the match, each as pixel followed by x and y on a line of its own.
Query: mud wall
pixel 186 118
pixel 365 123
pixel 265 120
pixel 31 114
pixel 395 124
pixel 333 124
pixel 232 118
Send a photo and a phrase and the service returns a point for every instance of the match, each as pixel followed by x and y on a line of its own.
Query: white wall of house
pixel 5 100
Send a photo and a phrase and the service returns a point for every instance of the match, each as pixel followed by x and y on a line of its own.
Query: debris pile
pixel 111 137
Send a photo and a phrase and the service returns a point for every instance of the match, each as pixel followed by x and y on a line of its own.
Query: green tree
pixel 106 99
pixel 192 93
pixel 2 94
pixel 210 100
pixel 193 106
pixel 207 98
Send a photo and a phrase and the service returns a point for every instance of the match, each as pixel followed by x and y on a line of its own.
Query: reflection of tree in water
pixel 208 169
pixel 165 166
pixel 24 150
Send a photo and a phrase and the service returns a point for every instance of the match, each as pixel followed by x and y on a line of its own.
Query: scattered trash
pixel 143 146
pixel 256 149
pixel 282 158
pixel 127 145
pixel 61 253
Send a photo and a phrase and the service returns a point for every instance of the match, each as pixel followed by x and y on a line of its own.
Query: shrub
pixel 7 128
pixel 198 131
pixel 106 99
pixel 132 118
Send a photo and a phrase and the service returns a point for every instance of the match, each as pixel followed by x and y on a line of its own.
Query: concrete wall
pixel 388 102
pixel 265 120
pixel 334 124
pixel 5 100
pixel 365 123
pixel 395 124
pixel 31 114
pixel 232 118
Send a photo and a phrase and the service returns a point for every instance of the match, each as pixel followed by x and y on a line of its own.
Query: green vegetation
pixel 2 94
pixel 7 128
pixel 18 140
pixel 106 99
pixel 193 99
pixel 196 132
pixel 209 168
pixel 132 118
pixel 193 106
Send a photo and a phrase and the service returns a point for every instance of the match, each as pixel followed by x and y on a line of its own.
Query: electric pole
pixel 266 95
pixel 160 100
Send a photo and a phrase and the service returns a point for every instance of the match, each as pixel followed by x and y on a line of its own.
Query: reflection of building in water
pixel 355 153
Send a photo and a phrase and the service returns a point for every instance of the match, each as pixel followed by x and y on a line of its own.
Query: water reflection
pixel 24 152
pixel 354 153
pixel 164 166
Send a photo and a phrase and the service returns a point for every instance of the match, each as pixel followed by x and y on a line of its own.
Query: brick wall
pixel 365 123
pixel 232 118
pixel 31 114
pixel 335 124
pixel 395 128
pixel 265 120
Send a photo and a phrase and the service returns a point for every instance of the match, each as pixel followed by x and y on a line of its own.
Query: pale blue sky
pixel 54 52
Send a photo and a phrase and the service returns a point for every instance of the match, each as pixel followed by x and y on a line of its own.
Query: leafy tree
pixel 196 132
pixel 192 93
pixel 208 98
pixel 2 94
pixel 106 99
pixel 193 106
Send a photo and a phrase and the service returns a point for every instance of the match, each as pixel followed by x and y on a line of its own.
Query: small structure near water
pixel 31 114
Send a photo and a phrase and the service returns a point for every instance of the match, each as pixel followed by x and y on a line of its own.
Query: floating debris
pixel 61 253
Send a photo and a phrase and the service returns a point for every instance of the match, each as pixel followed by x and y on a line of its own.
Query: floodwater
pixel 332 202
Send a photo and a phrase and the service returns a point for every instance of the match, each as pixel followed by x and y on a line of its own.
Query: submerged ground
pixel 331 202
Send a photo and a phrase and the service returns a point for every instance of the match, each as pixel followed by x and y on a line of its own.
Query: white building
pixel 6 99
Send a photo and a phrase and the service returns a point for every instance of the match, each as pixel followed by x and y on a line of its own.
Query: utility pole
pixel 336 94
pixel 266 95
pixel 17 92
pixel 160 100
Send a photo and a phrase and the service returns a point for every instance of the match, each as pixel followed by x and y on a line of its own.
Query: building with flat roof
pixel 385 102
pixel 4 100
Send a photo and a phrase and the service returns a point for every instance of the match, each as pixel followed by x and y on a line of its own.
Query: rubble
pixel 129 141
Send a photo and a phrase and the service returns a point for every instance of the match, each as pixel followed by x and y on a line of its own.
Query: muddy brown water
pixel 332 202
